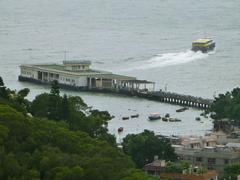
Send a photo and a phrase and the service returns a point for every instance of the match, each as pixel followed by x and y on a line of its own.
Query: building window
pixel 226 161
pixel 211 160
pixel 198 159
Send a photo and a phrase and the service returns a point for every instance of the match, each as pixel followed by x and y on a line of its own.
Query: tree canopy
pixel 144 146
pixel 227 106
pixel 74 145
pixel 35 148
pixel 232 171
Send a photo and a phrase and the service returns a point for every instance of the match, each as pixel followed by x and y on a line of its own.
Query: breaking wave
pixel 169 59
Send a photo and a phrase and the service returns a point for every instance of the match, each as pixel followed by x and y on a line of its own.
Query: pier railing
pixel 179 99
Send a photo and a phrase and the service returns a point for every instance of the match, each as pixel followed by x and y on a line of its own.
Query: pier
pixel 77 75
pixel 161 96
pixel 178 99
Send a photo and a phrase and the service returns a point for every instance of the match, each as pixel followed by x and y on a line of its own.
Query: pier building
pixel 78 75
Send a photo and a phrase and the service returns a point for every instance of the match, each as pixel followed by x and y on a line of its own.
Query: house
pixel 162 169
pixel 209 175
pixel 155 168
pixel 205 152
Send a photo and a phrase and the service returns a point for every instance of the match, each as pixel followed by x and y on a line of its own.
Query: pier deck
pixel 161 96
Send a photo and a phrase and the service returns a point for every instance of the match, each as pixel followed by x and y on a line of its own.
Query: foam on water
pixel 169 59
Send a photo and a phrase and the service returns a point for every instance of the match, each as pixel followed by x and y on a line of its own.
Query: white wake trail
pixel 169 59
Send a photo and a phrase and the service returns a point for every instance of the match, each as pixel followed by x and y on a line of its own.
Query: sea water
pixel 150 40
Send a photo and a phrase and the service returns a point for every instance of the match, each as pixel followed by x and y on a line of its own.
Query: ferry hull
pixel 204 49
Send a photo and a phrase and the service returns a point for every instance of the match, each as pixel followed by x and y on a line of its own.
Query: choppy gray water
pixel 147 39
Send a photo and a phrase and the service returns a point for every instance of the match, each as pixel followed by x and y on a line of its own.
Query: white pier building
pixel 77 74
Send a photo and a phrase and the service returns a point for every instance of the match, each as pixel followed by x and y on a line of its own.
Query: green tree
pixel 144 146
pixel 177 167
pixel 11 167
pixel 23 92
pixel 1 82
pixel 3 90
pixel 232 171
pixel 226 106
pixel 39 106
pixel 3 133
pixel 55 90
pixel 54 103
pixel 41 148
pixel 65 108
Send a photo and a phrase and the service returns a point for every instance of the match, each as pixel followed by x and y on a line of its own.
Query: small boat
pixel 182 109
pixel 167 115
pixel 197 118
pixel 135 116
pixel 154 116
pixel 204 45
pixel 165 119
pixel 120 129
pixel 177 120
pixel 174 120
pixel 125 118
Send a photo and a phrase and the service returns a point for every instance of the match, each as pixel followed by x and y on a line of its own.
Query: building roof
pixel 140 81
pixel 203 40
pixel 58 68
pixel 234 145
pixel 76 62
pixel 112 76
pixel 156 165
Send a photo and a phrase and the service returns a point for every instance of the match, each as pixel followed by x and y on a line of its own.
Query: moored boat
pixel 182 109
pixel 120 129
pixel 198 119
pixel 204 45
pixel 125 118
pixel 154 116
pixel 165 119
pixel 174 120
pixel 135 116
pixel 167 115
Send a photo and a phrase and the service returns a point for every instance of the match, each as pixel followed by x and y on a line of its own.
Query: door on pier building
pixel 91 82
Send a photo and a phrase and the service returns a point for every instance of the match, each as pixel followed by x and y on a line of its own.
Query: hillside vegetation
pixel 60 139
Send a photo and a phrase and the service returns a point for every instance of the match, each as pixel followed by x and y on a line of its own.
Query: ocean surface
pixel 148 39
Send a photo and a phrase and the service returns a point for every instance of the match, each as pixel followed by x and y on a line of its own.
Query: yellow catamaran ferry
pixel 204 45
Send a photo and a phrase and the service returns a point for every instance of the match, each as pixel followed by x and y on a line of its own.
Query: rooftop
pixel 233 145
pixel 59 68
pixel 77 62
pixel 203 40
